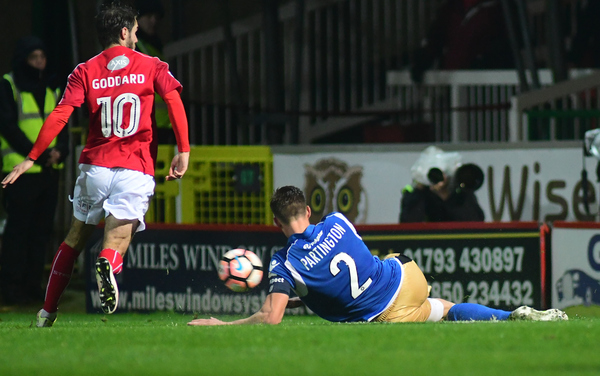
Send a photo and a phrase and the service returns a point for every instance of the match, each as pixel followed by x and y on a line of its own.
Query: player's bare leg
pixel 79 233
pixel 447 305
pixel 117 236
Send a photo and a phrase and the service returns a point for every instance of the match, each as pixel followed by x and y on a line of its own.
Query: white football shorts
pixel 100 191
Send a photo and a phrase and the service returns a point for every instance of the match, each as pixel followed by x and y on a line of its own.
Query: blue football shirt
pixel 333 272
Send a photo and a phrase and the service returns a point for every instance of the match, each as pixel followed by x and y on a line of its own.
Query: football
pixel 240 269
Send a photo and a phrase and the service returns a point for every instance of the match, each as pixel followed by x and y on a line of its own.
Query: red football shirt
pixel 118 87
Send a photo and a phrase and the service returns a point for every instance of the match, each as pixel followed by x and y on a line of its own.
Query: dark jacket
pixel 27 79
pixel 422 205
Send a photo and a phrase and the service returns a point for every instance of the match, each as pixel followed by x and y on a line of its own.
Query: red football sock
pixel 115 259
pixel 60 275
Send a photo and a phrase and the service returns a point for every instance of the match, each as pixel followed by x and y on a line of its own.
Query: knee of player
pixel 439 309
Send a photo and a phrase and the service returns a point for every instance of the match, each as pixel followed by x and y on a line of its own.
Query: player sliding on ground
pixel 117 162
pixel 334 274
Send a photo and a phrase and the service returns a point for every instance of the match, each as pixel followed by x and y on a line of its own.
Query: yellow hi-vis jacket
pixel 30 122
pixel 161 113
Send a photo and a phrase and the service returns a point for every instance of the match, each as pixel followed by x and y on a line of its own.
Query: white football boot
pixel 526 313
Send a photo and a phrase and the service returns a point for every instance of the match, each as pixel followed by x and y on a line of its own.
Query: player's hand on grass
pixel 206 322
pixel 17 171
pixel 179 166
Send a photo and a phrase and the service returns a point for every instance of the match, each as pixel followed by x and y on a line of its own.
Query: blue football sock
pixel 476 312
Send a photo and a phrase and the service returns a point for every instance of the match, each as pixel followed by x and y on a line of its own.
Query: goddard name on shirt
pixel 103 83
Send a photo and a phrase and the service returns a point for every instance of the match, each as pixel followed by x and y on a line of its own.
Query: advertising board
pixel 575 278
pixel 521 184
pixel 173 268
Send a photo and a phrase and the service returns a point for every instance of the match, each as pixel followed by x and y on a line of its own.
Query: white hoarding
pixel 575 266
pixel 541 184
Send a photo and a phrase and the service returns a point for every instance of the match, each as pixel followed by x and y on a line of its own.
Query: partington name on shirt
pixel 323 248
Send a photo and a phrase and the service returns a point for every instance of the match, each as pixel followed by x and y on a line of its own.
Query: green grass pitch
pixel 162 344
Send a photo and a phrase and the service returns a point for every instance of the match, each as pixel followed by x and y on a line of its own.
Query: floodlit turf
pixel 162 344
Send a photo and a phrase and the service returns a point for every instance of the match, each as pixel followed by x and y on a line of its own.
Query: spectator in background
pixel 584 51
pixel 150 14
pixel 443 189
pixel 27 96
pixel 465 34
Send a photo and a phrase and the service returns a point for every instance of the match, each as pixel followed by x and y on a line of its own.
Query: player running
pixel 117 163
pixel 334 274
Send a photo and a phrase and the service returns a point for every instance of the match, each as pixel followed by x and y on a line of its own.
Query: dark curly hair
pixel 288 203
pixel 111 19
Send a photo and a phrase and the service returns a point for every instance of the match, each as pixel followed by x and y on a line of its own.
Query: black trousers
pixel 30 205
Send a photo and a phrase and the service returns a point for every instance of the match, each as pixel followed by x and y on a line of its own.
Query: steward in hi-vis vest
pixel 150 12
pixel 27 96
pixel 160 107
pixel 30 121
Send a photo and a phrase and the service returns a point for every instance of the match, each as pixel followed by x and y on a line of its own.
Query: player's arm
pixel 178 119
pixel 271 312
pixel 52 126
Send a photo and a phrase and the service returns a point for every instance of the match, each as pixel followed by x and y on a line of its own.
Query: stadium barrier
pixel 173 267
pixel 163 206
pixel 223 184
